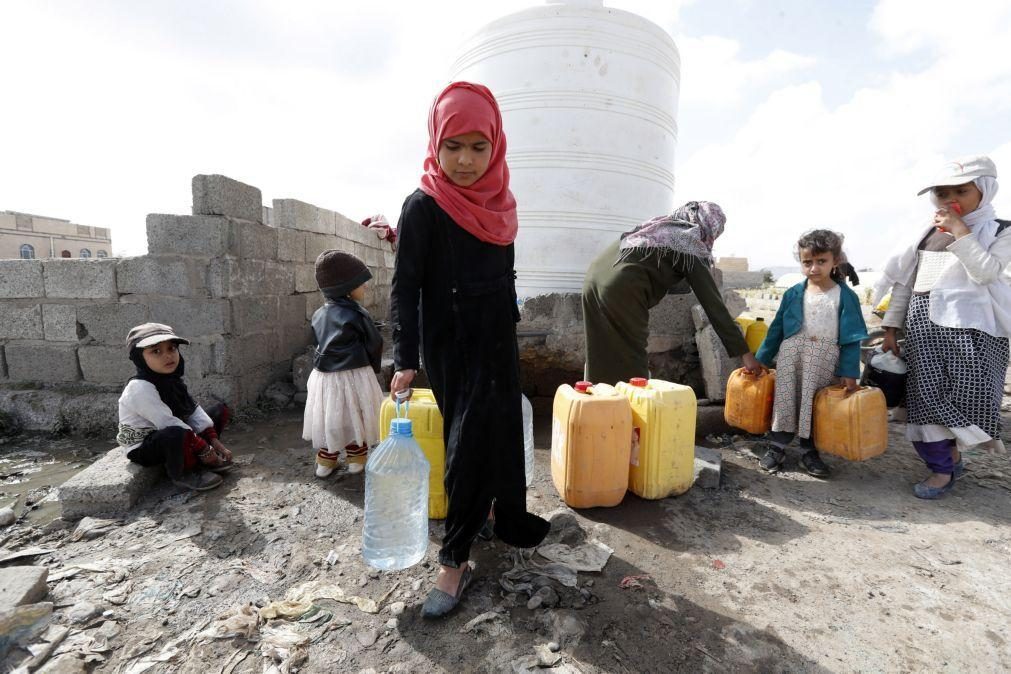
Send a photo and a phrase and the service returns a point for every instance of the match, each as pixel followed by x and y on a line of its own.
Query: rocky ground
pixel 766 573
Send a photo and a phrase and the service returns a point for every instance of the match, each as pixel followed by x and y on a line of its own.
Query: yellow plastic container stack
pixel 749 400
pixel 755 334
pixel 590 443
pixel 853 426
pixel 662 459
pixel 427 423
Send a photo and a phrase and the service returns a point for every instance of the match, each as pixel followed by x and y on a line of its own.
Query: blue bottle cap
pixel 401 426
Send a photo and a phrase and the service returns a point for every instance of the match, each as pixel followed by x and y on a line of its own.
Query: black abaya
pixel 465 291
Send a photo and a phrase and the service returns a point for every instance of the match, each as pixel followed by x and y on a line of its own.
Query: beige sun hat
pixel 148 334
pixel 962 171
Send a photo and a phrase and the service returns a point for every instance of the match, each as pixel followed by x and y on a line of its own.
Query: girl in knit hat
pixel 342 408
pixel 160 424
pixel 454 274
pixel 952 294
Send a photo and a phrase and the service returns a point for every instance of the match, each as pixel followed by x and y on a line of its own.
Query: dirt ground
pixel 768 573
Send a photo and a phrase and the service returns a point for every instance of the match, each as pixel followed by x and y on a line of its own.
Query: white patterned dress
pixel 807 362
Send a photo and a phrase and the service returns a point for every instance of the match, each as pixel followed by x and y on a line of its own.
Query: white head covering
pixel 901 267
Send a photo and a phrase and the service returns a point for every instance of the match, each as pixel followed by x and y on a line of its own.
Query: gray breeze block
pixel 110 486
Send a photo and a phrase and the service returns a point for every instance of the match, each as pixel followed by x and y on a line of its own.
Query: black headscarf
pixel 171 387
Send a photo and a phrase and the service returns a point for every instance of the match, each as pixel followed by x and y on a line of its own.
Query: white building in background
pixel 27 236
pixel 589 100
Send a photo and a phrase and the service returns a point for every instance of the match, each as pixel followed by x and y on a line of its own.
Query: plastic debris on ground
pixel 589 557
pixel 632 582
pixel 524 572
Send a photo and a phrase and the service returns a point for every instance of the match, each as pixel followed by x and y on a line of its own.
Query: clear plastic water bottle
pixel 528 438
pixel 395 535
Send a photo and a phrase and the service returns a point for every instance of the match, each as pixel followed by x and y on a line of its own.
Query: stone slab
pixel 291 245
pixel 220 195
pixel 716 363
pixel 236 278
pixel 59 322
pixel 255 241
pixel 305 278
pixel 20 321
pixel 80 279
pixel 22 585
pixel 21 278
pixel 708 463
pixel 254 314
pixel 42 362
pixel 190 317
pixel 21 624
pixel 699 317
pixel 199 235
pixel 105 364
pixel 110 486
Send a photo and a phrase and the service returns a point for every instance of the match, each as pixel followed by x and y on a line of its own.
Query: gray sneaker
pixel 198 481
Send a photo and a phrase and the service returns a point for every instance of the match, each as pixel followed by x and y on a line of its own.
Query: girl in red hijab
pixel 454 275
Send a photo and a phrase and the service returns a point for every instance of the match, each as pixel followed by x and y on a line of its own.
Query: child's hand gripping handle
pixel 403 397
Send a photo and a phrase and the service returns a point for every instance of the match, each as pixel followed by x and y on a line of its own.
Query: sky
pixel 793 114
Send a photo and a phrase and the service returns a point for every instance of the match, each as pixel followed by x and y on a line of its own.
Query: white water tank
pixel 589 101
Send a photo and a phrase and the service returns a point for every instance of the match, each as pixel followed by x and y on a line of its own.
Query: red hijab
pixel 487 208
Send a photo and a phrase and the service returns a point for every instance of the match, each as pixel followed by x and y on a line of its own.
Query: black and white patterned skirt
pixel 956 375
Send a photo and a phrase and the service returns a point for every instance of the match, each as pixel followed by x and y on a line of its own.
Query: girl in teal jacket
pixel 814 339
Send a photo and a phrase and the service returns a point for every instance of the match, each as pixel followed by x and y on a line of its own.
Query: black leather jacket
pixel 346 337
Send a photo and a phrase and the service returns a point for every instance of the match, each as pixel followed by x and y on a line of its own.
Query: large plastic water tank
pixel 589 99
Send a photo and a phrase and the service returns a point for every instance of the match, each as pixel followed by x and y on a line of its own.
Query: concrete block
pixel 254 314
pixel 198 235
pixel 295 214
pixel 156 275
pixel 42 362
pixel 305 278
pixel 110 486
pixel 313 301
pixel 373 258
pixel 93 414
pixel 20 321
pixel 105 364
pixel 221 195
pixel 59 322
pixel 199 359
pixel 190 317
pixel 234 278
pixel 109 323
pixel 294 340
pixel 21 585
pixel 301 366
pixel 346 228
pixel 291 309
pixel 734 302
pixel 80 279
pixel 267 216
pixel 213 388
pixel 358 250
pixel 715 362
pixel 21 278
pixel 709 419
pixel 255 241
pixel 291 245
pixel 672 316
pixel 239 355
pixel 317 243
pixel 275 279
pixel 389 258
pixel 708 463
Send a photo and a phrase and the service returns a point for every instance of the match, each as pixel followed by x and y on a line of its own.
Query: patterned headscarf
pixel 692 229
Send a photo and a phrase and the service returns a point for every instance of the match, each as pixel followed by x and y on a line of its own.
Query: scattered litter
pixel 11 555
pixel 239 622
pixel 475 623
pixel 524 572
pixel 283 648
pixel 632 582
pixel 331 558
pixel 169 652
pixel 118 595
pixel 547 657
pixel 285 610
pixel 590 557
pixel 90 528
pixel 41 651
pixel 324 589
pixel 719 565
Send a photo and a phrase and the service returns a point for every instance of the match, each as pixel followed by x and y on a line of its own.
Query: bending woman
pixel 633 274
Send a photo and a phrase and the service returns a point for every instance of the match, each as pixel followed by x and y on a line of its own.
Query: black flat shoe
pixel 812 463
pixel 773 460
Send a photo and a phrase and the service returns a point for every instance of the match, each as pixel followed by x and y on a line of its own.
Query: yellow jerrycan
pixel 749 400
pixel 755 334
pixel 426 420
pixel 744 322
pixel 590 443
pixel 662 459
pixel 851 425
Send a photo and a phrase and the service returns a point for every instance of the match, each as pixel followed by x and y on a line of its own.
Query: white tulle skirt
pixel 342 408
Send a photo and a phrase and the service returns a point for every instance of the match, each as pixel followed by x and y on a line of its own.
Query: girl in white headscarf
pixel 951 292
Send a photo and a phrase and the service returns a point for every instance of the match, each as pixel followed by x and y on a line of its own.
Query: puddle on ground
pixel 33 466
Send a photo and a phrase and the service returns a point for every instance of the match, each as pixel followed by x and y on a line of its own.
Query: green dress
pixel 617 297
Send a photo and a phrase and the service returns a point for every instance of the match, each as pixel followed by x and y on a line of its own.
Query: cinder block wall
pixel 241 290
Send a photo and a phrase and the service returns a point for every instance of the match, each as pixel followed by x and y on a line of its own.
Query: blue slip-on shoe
pixel 959 469
pixel 925 491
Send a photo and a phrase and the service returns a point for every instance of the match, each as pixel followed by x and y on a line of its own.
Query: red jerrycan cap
pixel 638 381
pixel 582 386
